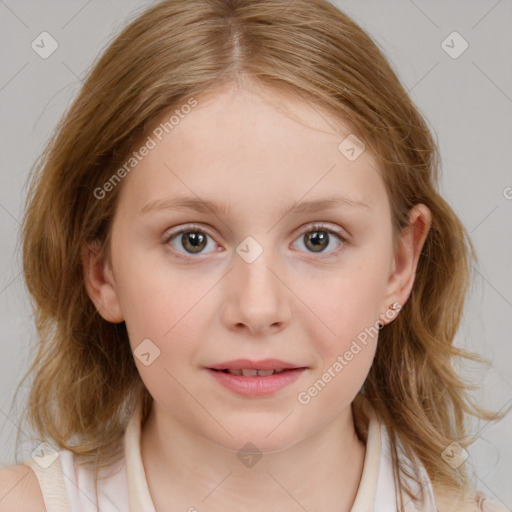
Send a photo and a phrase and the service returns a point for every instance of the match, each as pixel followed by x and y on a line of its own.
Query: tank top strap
pixel 51 481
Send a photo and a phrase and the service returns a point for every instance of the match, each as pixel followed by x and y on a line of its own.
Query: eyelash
pixel 194 228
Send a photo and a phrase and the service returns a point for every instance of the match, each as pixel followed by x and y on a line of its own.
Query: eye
pixel 194 240
pixel 317 238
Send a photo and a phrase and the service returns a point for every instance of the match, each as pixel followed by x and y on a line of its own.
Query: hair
pixel 85 381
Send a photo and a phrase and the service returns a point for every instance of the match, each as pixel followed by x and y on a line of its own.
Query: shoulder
pixel 19 490
pixel 472 501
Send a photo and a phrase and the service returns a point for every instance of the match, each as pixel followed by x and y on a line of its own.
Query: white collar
pixel 376 492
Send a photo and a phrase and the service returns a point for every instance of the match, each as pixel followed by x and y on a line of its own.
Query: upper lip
pixel 247 364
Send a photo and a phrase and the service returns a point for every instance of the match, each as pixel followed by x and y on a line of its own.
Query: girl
pixel 246 284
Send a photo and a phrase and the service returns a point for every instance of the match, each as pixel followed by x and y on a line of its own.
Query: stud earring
pixel 396 306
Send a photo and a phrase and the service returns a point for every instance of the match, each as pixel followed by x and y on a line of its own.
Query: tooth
pixel 235 372
pixel 264 373
pixel 249 373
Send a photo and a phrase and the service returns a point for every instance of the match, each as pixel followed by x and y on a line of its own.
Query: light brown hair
pixel 85 382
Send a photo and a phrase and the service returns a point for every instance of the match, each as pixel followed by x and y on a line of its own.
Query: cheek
pixel 167 308
pixel 163 322
pixel 344 338
pixel 347 301
pixel 344 327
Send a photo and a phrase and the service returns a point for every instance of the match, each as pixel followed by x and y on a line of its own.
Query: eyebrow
pixel 213 207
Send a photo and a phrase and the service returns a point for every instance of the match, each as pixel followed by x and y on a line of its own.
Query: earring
pixel 396 306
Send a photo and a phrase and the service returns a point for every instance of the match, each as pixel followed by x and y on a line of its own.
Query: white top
pixel 68 487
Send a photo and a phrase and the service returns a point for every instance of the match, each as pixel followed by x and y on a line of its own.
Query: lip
pixel 256 386
pixel 263 364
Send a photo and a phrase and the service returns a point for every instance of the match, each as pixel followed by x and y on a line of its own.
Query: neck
pixel 184 469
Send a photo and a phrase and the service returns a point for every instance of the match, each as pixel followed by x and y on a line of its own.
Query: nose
pixel 256 296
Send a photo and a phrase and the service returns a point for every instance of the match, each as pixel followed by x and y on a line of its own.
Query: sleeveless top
pixel 67 486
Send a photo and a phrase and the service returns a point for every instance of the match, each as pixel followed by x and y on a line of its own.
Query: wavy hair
pixel 85 382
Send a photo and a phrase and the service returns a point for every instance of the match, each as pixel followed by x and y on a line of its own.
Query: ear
pixel 100 284
pixel 406 256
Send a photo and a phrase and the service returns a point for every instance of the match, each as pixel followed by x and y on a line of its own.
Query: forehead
pixel 256 148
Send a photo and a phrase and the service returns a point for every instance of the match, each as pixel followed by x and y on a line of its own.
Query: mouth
pixel 261 368
pixel 256 378
pixel 249 372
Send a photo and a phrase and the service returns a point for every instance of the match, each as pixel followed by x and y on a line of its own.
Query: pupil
pixel 194 240
pixel 318 240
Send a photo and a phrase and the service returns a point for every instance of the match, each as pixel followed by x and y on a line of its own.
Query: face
pixel 247 276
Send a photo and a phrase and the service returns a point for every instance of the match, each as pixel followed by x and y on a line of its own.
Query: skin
pixel 255 150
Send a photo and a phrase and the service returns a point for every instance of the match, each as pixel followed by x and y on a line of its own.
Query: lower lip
pixel 256 386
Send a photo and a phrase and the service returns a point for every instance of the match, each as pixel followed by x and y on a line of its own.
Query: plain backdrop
pixel 466 100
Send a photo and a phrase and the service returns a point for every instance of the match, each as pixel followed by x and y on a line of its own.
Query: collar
pixel 376 491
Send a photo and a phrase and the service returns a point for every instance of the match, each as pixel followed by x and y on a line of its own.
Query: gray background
pixel 467 101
